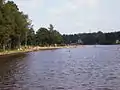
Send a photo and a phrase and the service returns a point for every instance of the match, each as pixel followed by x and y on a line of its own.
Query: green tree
pixel 31 37
pixel 55 36
pixel 100 37
pixel 13 25
pixel 42 36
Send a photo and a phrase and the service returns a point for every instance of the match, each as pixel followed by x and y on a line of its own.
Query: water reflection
pixel 86 68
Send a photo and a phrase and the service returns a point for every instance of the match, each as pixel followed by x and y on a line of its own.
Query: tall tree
pixel 42 36
pixel 13 25
pixel 55 36
pixel 31 37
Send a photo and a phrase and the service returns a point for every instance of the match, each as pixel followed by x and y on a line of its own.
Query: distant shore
pixel 31 49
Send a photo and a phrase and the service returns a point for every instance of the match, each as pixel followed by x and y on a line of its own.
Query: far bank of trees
pixel 93 38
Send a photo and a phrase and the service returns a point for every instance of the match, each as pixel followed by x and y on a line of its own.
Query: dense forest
pixel 16 30
pixel 93 38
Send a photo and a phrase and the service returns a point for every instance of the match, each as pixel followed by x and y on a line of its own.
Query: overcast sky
pixel 73 16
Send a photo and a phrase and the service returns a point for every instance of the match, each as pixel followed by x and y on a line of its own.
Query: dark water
pixel 82 68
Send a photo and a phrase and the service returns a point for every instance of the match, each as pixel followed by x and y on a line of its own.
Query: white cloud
pixel 71 16
pixel 85 3
pixel 30 7
pixel 28 4
pixel 74 6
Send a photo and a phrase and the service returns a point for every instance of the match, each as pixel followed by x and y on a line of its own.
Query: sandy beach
pixel 30 49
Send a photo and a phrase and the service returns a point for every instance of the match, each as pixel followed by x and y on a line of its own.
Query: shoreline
pixel 31 49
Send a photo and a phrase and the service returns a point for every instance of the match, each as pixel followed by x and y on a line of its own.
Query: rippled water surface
pixel 81 68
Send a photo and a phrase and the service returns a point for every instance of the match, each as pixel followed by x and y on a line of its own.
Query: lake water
pixel 81 68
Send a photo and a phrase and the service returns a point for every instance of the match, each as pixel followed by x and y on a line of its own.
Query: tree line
pixel 93 38
pixel 16 30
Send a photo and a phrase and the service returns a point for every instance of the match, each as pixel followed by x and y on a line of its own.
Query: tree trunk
pixel 4 47
pixel 10 46
pixel 19 42
pixel 25 39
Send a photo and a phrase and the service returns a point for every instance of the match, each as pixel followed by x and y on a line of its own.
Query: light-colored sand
pixel 30 49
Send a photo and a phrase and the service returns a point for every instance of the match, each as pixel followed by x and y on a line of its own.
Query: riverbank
pixel 30 49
